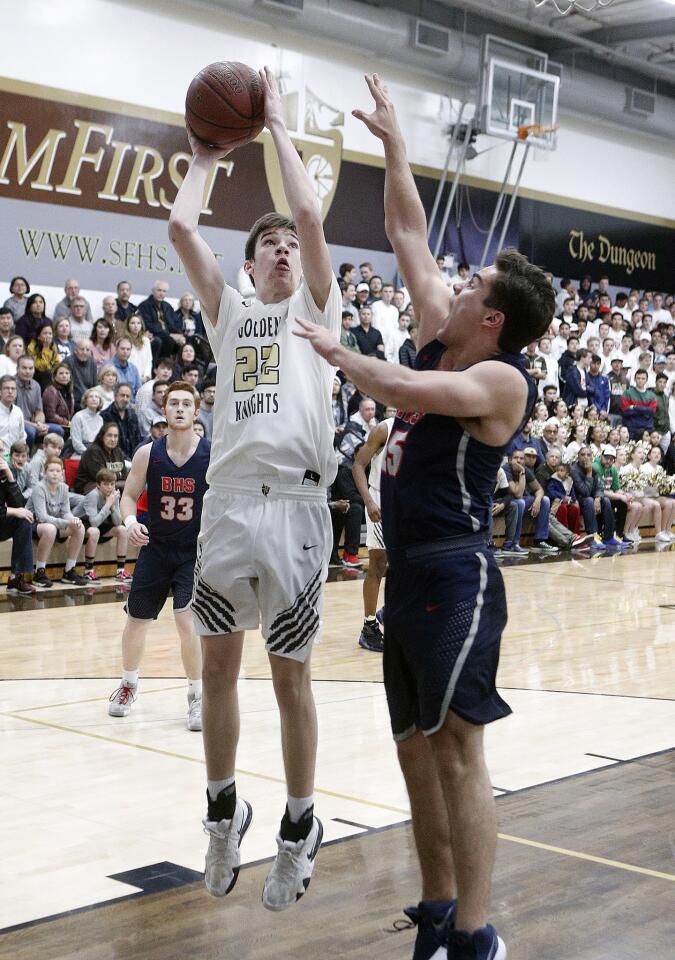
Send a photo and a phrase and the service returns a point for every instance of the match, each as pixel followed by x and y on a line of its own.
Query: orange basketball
pixel 225 103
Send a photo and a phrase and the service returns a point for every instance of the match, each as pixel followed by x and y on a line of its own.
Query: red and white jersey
pixel 272 418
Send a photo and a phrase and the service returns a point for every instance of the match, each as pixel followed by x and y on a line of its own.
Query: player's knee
pixel 457 744
pixel 47 532
pixel 292 686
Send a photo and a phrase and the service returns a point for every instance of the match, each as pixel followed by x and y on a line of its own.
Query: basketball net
pixel 535 130
pixel 567 6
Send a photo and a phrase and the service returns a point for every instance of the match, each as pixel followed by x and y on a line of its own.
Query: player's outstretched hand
pixel 323 342
pixel 138 535
pixel 273 106
pixel 382 122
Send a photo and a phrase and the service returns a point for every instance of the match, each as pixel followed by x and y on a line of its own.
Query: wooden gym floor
pixel 101 837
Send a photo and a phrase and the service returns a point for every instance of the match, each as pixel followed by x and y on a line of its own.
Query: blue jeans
pixel 31 431
pixel 513 517
pixel 603 520
pixel 20 532
pixel 541 520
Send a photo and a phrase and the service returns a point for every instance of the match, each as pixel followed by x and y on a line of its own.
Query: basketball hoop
pixel 538 130
pixel 568 6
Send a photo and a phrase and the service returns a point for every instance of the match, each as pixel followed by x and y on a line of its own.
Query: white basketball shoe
pixel 223 857
pixel 292 869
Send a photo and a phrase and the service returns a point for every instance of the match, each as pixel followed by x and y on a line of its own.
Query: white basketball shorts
pixel 262 560
pixel 374 538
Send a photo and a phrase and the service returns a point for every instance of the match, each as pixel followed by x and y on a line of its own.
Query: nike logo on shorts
pixel 430 607
pixel 310 547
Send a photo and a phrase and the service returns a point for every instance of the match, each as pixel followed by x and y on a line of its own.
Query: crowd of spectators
pixel 79 394
pixel 599 448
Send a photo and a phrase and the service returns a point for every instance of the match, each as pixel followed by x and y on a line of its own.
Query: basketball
pixel 225 104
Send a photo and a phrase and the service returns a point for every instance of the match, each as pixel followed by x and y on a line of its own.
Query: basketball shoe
pixel 433 919
pixel 483 944
pixel 223 857
pixel 18 585
pixel 292 868
pixel 121 700
pixel 371 636
pixel 194 717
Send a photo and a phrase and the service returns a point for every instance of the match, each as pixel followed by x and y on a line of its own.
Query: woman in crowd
pixel 33 318
pixel 596 439
pixel 87 422
pixel 193 325
pixel 19 289
pixel 141 351
pixel 64 343
pixel 50 507
pixel 578 441
pixel 102 346
pixel 624 436
pixel 614 437
pixel 633 480
pixel 57 400
pixel 14 348
pixel 45 356
pixel 107 381
pixel 104 453
pixel 650 470
pixel 187 357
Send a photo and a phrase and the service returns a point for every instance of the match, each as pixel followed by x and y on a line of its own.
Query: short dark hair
pixel 158 383
pixel 346 268
pixel 582 353
pixel 525 297
pixel 6 310
pixel 105 476
pixel 347 313
pixel 661 376
pixel 463 266
pixel 268 221
pixel 641 371
pixel 13 281
pixel 595 358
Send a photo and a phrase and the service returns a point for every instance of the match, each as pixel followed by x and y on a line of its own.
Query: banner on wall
pixel 86 187
pixel 89 189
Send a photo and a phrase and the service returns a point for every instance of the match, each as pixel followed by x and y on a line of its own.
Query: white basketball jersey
pixel 272 418
pixel 376 462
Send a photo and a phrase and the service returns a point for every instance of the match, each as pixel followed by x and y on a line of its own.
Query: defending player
pixel 266 533
pixel 372 453
pixel 445 606
pixel 174 469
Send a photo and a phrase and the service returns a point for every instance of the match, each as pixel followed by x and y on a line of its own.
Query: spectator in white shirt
pixel 80 327
pixel 606 355
pixel 14 348
pixel 385 319
pixel 659 313
pixel 559 342
pixel 11 418
pixel 617 327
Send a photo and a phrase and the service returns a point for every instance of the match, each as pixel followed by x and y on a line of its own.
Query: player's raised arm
pixel 404 217
pixel 302 200
pixel 133 488
pixel 197 257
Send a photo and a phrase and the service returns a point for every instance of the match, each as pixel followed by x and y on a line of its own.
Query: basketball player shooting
pixel 266 532
pixel 174 471
pixel 445 604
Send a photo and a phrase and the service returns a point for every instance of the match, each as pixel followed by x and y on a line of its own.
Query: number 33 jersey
pixel 175 495
pixel 272 419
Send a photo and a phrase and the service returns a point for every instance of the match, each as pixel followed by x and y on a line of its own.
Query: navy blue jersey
pixel 175 495
pixel 437 480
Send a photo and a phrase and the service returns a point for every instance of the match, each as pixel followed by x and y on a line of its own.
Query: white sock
pixel 215 786
pixel 371 619
pixel 69 565
pixel 297 806
pixel 130 678
pixel 195 688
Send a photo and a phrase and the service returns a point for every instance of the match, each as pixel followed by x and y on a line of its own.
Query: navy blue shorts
pixel 443 616
pixel 159 569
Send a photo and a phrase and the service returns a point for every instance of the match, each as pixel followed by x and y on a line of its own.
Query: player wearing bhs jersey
pixel 174 470
pixel 266 533
pixel 445 604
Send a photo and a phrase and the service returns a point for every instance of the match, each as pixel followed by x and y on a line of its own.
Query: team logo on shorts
pixel 265 489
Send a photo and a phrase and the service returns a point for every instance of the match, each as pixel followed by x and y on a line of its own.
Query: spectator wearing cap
pixel 638 407
pixel 626 508
pixel 597 387
pixel 575 391
pixel 661 415
pixel 596 508
pixel 363 296
pixel 368 338
pixel 643 339
pixel 532 457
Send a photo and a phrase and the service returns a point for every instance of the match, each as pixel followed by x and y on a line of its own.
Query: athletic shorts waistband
pixel 270 490
pixel 437 548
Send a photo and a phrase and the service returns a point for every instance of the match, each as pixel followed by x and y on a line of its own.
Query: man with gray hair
pixel 161 321
pixel 83 368
pixel 12 425
pixel 80 327
pixel 64 307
